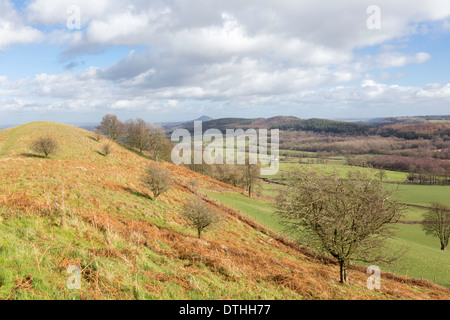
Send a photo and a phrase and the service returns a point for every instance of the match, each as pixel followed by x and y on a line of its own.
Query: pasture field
pixel 423 257
pixel 423 195
pixel 261 211
pixel 342 169
pixel 411 213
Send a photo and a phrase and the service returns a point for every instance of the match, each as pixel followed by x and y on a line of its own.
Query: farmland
pixel 423 257
pixel 323 147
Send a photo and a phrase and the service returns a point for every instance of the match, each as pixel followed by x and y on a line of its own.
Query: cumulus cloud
pixel 12 28
pixel 229 27
pixel 240 53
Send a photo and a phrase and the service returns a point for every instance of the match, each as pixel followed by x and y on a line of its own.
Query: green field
pixel 342 169
pixel 263 212
pixel 423 257
pixel 423 195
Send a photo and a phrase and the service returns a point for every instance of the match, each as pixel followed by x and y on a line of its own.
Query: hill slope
pixel 81 208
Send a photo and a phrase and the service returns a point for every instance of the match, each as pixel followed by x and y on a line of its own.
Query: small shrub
pixel 200 215
pixel 157 179
pixel 107 149
pixel 98 135
pixel 45 145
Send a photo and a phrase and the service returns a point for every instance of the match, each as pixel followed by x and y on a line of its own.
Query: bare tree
pixel 158 144
pixel 250 175
pixel 97 134
pixel 350 219
pixel 200 215
pixel 158 179
pixel 107 149
pixel 382 174
pixel 137 133
pixel 46 145
pixel 436 222
pixel 111 127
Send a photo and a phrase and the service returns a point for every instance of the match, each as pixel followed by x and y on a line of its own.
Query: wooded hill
pixel 426 130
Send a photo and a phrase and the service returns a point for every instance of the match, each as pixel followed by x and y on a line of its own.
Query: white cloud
pixel 397 59
pixel 12 29
pixel 50 12
pixel 238 26
pixel 238 52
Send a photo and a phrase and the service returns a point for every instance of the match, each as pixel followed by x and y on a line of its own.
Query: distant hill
pixel 286 123
pixel 425 127
pixel 203 118
pixel 170 126
pixel 275 121
pixel 411 120
pixel 416 131
pixel 325 126
pixel 240 123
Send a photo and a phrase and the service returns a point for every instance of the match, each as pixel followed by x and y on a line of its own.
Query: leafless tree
pixel 350 219
pixel 111 127
pixel 46 145
pixel 200 215
pixel 158 179
pixel 382 174
pixel 436 222
pixel 158 144
pixel 137 132
pixel 98 134
pixel 250 175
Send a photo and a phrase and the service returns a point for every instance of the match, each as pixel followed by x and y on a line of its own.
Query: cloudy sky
pixel 170 60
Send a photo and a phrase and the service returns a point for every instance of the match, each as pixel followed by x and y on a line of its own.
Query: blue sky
pixel 176 60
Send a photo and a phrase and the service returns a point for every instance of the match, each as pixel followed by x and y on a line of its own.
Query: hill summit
pixel 82 209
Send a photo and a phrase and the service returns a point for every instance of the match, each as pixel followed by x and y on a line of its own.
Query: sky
pixel 73 61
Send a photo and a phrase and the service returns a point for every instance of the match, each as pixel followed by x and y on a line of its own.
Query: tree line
pixel 422 171
pixel 137 134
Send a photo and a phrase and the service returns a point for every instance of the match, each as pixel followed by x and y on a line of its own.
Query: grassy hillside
pixel 81 208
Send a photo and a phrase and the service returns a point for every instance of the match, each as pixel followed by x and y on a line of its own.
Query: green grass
pixel 423 258
pixel 261 211
pixel 269 190
pixel 413 214
pixel 343 170
pixel 423 195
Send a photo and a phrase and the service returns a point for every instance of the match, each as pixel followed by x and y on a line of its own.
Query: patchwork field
pixel 423 258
